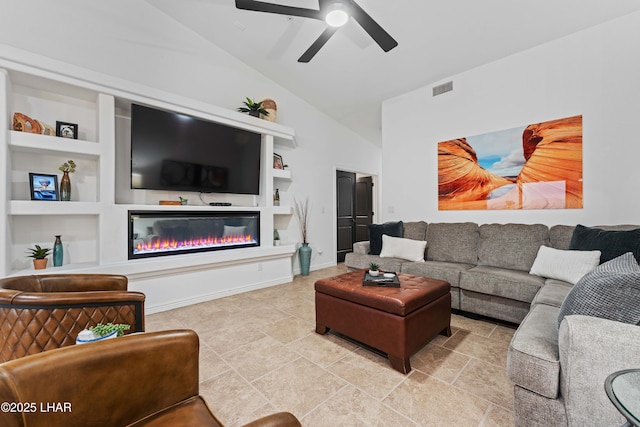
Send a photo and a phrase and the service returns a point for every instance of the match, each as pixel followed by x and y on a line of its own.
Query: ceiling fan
pixel 335 12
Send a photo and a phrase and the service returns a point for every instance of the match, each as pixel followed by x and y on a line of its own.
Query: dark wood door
pixel 354 211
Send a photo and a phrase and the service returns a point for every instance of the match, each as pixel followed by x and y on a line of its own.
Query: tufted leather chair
pixel 148 379
pixel 43 312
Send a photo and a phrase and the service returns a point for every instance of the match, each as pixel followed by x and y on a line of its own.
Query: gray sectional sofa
pixel 558 374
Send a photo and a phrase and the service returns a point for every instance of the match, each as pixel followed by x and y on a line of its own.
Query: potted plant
pixel 253 108
pixel 276 237
pixel 374 269
pixel 101 332
pixel 39 256
pixel 65 183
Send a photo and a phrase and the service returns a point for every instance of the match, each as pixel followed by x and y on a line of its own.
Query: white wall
pixel 127 41
pixel 594 73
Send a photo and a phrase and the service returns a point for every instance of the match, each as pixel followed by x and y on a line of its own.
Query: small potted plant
pixel 276 237
pixel 374 269
pixel 253 108
pixel 101 332
pixel 39 256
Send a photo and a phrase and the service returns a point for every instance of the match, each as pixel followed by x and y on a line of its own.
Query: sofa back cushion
pixel 416 230
pixel 512 246
pixel 377 230
pixel 453 242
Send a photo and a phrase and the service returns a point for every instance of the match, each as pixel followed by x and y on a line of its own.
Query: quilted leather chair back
pixel 39 313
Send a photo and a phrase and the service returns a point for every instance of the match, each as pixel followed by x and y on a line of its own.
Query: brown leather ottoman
pixel 397 321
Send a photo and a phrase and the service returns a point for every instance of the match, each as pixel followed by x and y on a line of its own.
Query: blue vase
pixel 304 254
pixel 58 252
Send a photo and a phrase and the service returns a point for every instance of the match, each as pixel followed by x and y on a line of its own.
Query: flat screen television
pixel 176 152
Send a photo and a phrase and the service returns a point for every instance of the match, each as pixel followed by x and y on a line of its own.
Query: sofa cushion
pixel 356 261
pixel 533 359
pixel 448 271
pixel 560 236
pixel 610 291
pixel 568 266
pixel 416 230
pixel 612 243
pixel 377 230
pixel 552 293
pixel 511 246
pixel 407 249
pixel 512 284
pixel 453 242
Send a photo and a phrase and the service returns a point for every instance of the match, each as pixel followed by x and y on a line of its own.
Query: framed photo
pixel 67 130
pixel 277 161
pixel 43 186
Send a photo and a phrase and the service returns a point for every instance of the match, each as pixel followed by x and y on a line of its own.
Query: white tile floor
pixel 259 354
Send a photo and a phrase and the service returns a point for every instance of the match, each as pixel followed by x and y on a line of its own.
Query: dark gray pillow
pixel 612 243
pixel 609 291
pixel 393 229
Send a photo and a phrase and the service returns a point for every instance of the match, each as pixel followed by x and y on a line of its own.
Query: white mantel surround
pixel 94 225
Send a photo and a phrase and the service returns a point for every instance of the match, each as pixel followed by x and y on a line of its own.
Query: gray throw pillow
pixel 393 229
pixel 609 291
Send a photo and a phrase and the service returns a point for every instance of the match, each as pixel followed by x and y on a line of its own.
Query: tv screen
pixel 171 151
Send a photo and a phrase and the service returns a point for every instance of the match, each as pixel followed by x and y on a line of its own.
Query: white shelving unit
pixel 93 225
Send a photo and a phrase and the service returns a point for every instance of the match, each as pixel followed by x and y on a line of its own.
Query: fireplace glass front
pixel 160 233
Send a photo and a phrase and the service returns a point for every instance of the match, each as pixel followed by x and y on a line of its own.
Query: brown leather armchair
pixel 148 379
pixel 42 312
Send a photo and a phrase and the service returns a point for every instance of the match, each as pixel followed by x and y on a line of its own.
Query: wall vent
pixel 443 88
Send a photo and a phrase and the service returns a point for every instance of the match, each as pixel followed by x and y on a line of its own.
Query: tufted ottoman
pixel 397 321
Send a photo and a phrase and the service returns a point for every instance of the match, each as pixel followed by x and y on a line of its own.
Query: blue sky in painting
pixel 500 152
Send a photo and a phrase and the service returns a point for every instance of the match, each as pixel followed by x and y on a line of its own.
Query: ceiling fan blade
pixel 377 33
pixel 258 6
pixel 315 47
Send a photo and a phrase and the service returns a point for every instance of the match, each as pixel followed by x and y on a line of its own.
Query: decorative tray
pixel 383 280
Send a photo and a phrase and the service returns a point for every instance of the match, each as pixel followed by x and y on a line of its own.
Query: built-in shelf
pixel 282 174
pixel 38 207
pixel 282 210
pixel 36 143
pixel 179 208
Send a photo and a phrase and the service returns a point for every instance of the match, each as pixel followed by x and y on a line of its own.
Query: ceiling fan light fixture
pixel 337 15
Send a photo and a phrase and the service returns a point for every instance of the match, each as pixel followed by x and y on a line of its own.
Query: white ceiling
pixel 350 76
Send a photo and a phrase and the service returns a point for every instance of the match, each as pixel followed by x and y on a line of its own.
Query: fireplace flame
pixel 159 245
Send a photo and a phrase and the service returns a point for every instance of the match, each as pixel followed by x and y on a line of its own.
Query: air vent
pixel 443 88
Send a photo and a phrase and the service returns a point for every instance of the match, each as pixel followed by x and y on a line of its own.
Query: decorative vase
pixel 58 252
pixel 270 106
pixel 304 254
pixel 40 264
pixel 65 187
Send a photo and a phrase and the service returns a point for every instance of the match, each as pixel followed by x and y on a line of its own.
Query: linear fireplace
pixel 160 233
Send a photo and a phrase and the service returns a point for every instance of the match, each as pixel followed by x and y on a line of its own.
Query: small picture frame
pixel 43 186
pixel 277 161
pixel 66 130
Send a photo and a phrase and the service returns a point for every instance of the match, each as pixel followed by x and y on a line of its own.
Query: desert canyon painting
pixel 537 166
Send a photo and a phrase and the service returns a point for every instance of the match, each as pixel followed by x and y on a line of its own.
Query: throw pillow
pixel 569 266
pixel 397 247
pixel 610 291
pixel 612 243
pixel 377 230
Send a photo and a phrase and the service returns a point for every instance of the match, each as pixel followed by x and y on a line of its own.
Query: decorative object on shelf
pixel 24 123
pixel 276 237
pixel 272 109
pixel 43 186
pixel 102 330
pixel 170 202
pixel 39 256
pixel 67 130
pixel 65 183
pixel 276 198
pixel 253 108
pixel 277 161
pixel 374 269
pixel 301 210
pixel 183 201
pixel 58 252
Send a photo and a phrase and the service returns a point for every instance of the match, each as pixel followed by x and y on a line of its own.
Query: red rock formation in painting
pixel 553 151
pixel 462 182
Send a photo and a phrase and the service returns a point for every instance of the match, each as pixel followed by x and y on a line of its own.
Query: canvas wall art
pixel 536 166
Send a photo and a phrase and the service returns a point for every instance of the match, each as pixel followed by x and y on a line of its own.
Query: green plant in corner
pixel 68 166
pixel 251 106
pixel 39 253
pixel 101 330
